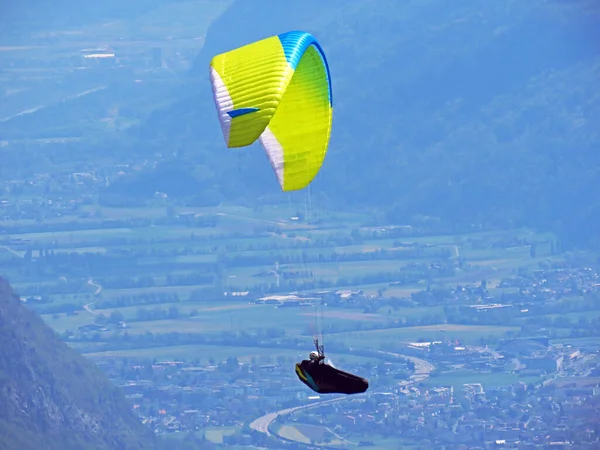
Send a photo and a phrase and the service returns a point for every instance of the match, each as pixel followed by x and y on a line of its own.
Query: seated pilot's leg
pixel 305 373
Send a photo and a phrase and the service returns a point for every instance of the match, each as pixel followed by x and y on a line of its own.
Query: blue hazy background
pixel 452 116
pixel 467 112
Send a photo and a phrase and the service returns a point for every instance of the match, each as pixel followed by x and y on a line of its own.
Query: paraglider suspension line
pixel 320 348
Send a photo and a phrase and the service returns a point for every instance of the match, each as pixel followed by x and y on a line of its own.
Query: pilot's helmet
pixel 314 355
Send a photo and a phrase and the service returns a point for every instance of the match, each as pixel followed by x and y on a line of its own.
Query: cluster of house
pixel 167 394
pixel 528 411
pixel 518 415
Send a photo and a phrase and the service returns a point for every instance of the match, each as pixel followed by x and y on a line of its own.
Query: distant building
pixel 99 57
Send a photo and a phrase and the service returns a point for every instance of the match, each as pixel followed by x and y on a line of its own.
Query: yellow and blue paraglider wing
pixel 279 89
pixel 299 132
pixel 248 84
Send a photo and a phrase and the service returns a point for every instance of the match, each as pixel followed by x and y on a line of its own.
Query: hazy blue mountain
pixel 472 111
pixel 53 398
pixel 244 22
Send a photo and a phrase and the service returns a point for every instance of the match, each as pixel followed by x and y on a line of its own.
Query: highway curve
pixel 421 373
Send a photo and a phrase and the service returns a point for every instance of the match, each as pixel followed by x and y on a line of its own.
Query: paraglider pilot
pixel 325 379
pixel 314 356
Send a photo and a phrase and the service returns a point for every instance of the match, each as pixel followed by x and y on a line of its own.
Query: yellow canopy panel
pixel 277 90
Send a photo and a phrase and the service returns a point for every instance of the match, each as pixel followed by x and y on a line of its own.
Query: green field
pixel 595 340
pixel 234 316
pixel 182 291
pixel 209 309
pixel 322 435
pixel 330 271
pixel 307 434
pixel 573 316
pixel 215 435
pixel 201 352
pixel 64 322
pixel 219 353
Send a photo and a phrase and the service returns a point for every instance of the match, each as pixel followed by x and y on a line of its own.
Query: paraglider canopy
pixel 277 90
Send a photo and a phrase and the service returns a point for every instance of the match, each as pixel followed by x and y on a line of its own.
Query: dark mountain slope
pixel 53 398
